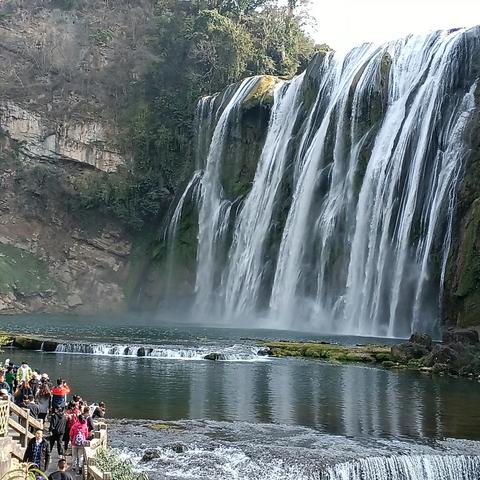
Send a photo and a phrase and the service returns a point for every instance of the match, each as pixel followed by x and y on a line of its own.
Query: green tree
pixel 200 47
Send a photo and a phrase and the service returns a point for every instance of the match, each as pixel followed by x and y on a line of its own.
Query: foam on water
pixel 234 353
pixel 221 450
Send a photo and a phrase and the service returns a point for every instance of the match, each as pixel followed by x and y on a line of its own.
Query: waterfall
pixel 215 209
pixel 347 225
pixel 411 467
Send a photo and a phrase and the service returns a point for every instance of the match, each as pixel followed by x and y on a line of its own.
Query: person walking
pixel 44 398
pixel 32 406
pixel 58 425
pixel 61 473
pixel 79 437
pixel 59 394
pixel 72 417
pixel 38 451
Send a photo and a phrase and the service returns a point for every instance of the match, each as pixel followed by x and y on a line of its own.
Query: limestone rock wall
pixel 38 137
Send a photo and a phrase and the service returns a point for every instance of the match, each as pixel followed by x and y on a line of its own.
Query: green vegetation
pixel 22 272
pixel 330 352
pixel 198 48
pixel 166 426
pixel 111 460
pixel 25 471
pixel 102 37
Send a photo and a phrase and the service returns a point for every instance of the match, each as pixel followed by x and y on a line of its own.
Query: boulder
pixel 177 447
pixel 264 352
pixel 404 352
pixel 27 343
pixel 144 351
pixel 422 339
pixel 49 346
pixel 150 455
pixel 74 300
pixel 461 335
pixel 214 356
pixel 440 354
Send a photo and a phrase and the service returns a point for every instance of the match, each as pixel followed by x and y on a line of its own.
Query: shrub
pixel 110 460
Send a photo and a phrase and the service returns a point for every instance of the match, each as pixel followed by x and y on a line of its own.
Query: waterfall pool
pixel 255 417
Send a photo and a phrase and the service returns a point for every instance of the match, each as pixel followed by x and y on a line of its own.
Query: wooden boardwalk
pixel 16 429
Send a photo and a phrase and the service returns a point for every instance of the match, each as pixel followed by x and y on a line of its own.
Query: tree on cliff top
pixel 200 47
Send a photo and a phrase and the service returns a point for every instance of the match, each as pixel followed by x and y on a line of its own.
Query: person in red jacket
pixel 59 394
pixel 79 437
pixel 71 413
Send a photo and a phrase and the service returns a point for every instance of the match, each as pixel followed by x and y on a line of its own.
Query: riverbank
pixel 457 355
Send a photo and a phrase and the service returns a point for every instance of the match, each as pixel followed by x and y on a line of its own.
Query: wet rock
pixel 404 352
pixel 49 346
pixel 264 352
pixel 144 351
pixel 177 447
pixel 214 356
pixel 389 364
pixel 27 343
pixel 461 335
pixel 442 354
pixel 422 339
pixel 150 454
pixel 439 368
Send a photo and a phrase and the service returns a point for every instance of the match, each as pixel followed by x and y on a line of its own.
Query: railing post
pixel 24 422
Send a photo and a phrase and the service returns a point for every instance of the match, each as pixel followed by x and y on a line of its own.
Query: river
pixel 248 399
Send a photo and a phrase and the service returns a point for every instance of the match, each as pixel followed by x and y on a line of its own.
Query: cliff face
pixel 63 76
pixel 462 289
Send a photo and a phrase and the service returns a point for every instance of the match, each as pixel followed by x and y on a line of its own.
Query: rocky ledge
pixel 458 354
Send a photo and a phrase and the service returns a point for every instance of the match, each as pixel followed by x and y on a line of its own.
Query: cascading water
pixel 348 221
pixel 411 467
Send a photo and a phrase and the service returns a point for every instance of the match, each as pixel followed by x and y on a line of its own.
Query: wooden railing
pixel 26 424
pixel 93 446
pixel 16 421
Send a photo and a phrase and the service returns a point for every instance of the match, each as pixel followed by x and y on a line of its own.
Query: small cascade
pixel 234 353
pixel 347 225
pixel 411 467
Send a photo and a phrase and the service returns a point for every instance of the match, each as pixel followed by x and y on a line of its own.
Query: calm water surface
pixel 351 400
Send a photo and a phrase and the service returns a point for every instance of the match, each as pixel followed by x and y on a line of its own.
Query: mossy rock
pixel 166 426
pixel 331 352
pixel 389 364
pixel 262 94
pixel 25 343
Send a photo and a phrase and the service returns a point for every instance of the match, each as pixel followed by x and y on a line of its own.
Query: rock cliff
pixel 63 74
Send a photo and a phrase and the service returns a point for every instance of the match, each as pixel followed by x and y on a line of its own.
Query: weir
pixel 346 224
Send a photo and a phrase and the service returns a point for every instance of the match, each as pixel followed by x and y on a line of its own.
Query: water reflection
pixel 337 399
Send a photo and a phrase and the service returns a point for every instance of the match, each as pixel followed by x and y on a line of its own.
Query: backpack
pixel 79 439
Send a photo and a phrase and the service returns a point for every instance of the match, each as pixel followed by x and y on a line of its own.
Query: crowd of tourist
pixel 70 422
